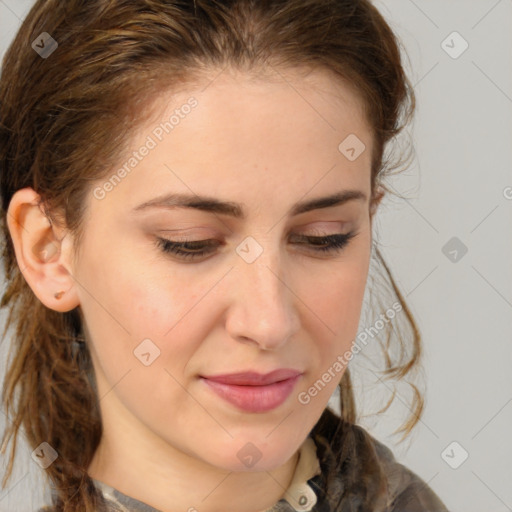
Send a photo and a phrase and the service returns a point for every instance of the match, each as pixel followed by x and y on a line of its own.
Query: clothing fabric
pixel 341 468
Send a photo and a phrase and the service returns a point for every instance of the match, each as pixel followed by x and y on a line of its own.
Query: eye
pixel 200 248
pixel 187 250
pixel 329 243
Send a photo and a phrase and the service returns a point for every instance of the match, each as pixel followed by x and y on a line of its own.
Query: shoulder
pixel 407 491
pixel 360 472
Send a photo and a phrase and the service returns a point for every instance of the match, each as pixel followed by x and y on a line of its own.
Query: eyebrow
pixel 214 205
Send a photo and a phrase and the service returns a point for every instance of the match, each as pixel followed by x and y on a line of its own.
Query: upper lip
pixel 251 378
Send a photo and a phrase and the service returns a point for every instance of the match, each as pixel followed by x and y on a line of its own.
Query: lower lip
pixel 254 398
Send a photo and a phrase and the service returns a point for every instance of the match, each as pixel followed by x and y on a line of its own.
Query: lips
pixel 254 392
pixel 254 378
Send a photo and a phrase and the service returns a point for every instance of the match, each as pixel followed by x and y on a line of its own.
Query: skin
pixel 168 440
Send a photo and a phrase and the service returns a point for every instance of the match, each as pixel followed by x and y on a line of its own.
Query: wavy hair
pixel 113 58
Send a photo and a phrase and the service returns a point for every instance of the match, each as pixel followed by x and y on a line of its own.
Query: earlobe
pixel 43 251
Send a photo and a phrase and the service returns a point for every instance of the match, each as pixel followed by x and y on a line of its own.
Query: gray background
pixel 456 187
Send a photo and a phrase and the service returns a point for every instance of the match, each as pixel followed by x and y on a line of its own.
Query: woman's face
pixel 261 298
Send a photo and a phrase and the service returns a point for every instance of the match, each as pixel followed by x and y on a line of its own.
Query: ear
pixel 43 251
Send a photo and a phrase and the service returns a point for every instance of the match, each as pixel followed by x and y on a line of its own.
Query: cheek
pixel 336 298
pixel 130 299
pixel 122 308
pixel 337 295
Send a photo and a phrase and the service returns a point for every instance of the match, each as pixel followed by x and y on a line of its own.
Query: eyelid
pixel 332 227
pixel 325 228
pixel 318 232
pixel 334 243
pixel 195 234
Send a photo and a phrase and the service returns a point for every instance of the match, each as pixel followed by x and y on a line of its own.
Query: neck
pixel 167 479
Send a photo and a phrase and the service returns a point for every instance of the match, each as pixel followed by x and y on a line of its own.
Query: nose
pixel 263 310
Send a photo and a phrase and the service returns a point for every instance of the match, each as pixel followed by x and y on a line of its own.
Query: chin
pixel 250 454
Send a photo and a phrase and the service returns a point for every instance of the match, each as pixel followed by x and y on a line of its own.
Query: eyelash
pixel 335 243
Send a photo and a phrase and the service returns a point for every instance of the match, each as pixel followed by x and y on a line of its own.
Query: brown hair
pixel 66 120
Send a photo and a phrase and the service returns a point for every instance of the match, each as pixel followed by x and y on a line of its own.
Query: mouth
pixel 252 391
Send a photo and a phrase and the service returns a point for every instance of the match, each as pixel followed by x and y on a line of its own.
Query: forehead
pixel 274 135
pixel 310 97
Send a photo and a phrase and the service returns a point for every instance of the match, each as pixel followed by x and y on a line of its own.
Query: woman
pixel 188 191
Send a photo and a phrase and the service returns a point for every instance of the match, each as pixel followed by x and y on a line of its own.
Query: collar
pixel 300 495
